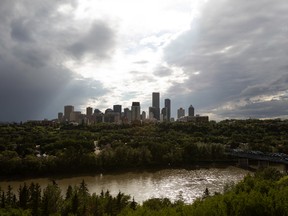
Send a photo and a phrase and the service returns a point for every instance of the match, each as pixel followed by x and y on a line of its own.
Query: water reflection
pixel 170 183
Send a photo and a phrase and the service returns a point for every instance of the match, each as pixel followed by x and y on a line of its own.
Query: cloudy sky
pixel 228 58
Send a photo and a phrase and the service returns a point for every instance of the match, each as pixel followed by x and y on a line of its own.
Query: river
pixel 170 183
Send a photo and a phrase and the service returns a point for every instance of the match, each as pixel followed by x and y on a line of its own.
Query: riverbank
pixel 56 175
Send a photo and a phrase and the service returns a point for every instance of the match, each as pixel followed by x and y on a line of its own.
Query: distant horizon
pixel 229 119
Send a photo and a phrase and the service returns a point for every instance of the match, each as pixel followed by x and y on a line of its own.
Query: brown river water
pixel 170 183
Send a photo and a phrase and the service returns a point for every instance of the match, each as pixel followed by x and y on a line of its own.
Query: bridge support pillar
pixel 243 162
pixel 263 164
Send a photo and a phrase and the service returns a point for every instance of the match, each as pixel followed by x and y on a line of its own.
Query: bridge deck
pixel 261 157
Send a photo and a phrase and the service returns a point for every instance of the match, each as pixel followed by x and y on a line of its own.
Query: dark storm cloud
pixel 272 87
pixel 238 49
pixel 29 93
pixel 99 41
pixel 34 57
pixel 34 83
pixel 266 109
pixel 20 30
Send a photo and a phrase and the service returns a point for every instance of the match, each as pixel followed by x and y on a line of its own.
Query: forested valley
pixel 35 150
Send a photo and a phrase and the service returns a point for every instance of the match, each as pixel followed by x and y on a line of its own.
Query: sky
pixel 228 58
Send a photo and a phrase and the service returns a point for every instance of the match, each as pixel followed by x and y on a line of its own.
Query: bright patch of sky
pixel 143 28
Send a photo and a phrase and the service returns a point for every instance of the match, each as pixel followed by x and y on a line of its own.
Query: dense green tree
pixel 10 200
pixel 51 200
pixel 3 200
pixel 75 203
pixel 35 198
pixel 69 192
pixel 24 196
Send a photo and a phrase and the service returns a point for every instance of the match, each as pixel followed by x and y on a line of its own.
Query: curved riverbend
pixel 170 183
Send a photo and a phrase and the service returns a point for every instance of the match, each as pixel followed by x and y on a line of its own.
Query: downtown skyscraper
pixel 135 111
pixel 156 105
pixel 191 111
pixel 167 106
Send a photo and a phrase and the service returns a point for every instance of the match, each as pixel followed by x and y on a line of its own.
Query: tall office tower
pixel 75 116
pixel 152 111
pixel 126 111
pixel 135 109
pixel 89 111
pixel 164 114
pixel 68 109
pixel 180 112
pixel 117 109
pixel 127 114
pixel 143 116
pixel 60 116
pixel 168 109
pixel 191 111
pixel 109 115
pixel 97 112
pixel 156 104
pixel 156 99
pixel 98 116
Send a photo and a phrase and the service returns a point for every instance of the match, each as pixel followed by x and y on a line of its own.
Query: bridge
pixel 263 158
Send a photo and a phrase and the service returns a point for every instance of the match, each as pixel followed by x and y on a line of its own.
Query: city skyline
pixel 221 56
pixel 135 112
